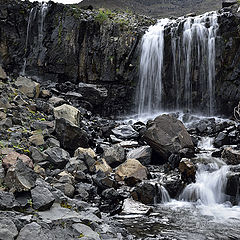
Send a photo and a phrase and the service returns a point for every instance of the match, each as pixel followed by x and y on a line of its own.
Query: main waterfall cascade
pixel 38 12
pixel 192 66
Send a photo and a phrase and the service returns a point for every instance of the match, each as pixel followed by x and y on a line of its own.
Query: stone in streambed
pixel 167 135
pixel 231 156
pixel 142 154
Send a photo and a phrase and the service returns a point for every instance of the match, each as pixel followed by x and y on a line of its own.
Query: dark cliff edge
pixel 101 48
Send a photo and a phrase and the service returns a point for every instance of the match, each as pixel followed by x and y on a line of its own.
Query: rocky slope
pixel 157 8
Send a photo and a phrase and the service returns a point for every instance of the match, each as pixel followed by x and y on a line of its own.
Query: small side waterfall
pixel 30 20
pixel 38 12
pixel 190 85
pixel 209 186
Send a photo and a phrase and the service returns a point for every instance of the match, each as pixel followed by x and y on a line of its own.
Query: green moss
pixel 101 17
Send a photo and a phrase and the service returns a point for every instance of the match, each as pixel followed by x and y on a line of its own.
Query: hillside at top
pixel 157 8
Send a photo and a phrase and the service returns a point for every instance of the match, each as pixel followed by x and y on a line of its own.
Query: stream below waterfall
pixel 201 212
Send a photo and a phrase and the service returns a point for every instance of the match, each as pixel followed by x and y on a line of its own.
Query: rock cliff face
pixel 62 46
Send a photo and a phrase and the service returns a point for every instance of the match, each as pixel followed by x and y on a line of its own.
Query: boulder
pixel 167 135
pixel 67 112
pixel 142 154
pixel 8 230
pixel 70 136
pixel 57 156
pixel 101 165
pixel 131 169
pixel 231 156
pixel 37 139
pixel 88 151
pixel 93 93
pixel 30 88
pixel 3 75
pixel 12 157
pixel 85 231
pixel 233 186
pixel 56 101
pixel 114 155
pixel 228 3
pixel 42 198
pixel 37 155
pixel 7 201
pixel 144 193
pixel 20 177
pixel 125 132
pixel 221 139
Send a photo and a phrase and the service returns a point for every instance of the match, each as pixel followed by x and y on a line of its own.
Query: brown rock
pixel 11 159
pixel 133 169
pixel 231 156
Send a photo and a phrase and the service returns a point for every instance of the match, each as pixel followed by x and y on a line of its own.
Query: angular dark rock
pixel 42 198
pixel 125 132
pixel 7 201
pixel 57 156
pixel 8 230
pixel 70 136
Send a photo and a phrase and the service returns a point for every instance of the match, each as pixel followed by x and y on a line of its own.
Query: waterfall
pixel 30 19
pixel 41 10
pixel 150 89
pixel 209 187
pixel 191 84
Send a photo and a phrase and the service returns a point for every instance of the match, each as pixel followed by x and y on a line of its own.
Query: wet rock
pixel 142 154
pixel 187 170
pixel 125 132
pixel 101 165
pixel 103 181
pixel 57 156
pixel 144 193
pixel 231 156
pixel 228 3
pixel 8 230
pixel 221 139
pixel 3 75
pixel 20 177
pixel 110 193
pixel 70 136
pixel 201 127
pixel 42 198
pixel 114 155
pixel 233 186
pixel 129 144
pixel 174 160
pixel 167 135
pixel 67 112
pixel 12 157
pixel 30 88
pixel 7 201
pixel 131 170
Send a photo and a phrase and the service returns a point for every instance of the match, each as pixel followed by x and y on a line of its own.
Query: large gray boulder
pixel 167 135
pixel 30 88
pixel 67 112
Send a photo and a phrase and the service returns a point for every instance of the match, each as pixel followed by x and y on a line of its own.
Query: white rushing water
pixel 150 89
pixel 193 65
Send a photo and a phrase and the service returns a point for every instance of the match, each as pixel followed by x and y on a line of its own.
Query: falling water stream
pixel 192 65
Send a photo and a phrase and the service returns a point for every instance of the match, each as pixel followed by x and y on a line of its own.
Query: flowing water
pixel 192 63
pixel 201 212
